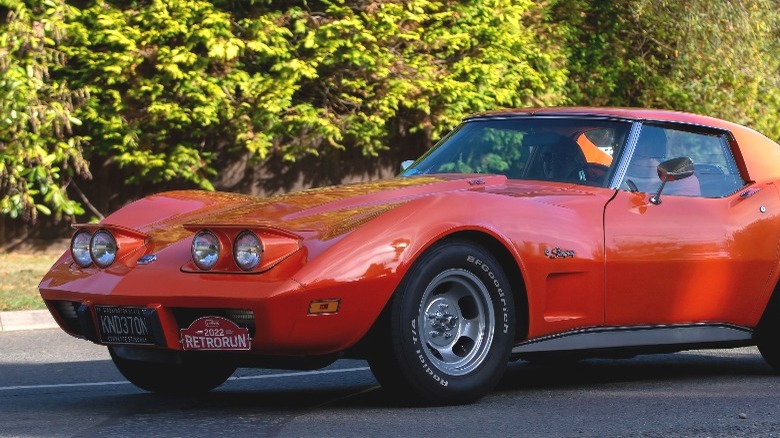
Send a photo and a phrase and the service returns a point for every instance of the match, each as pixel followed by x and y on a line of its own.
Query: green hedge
pixel 162 91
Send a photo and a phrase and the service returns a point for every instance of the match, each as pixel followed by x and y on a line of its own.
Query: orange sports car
pixel 537 234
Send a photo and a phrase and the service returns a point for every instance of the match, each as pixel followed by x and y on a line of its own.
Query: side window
pixel 715 173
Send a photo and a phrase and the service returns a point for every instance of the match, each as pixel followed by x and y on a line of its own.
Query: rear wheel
pixel 768 343
pixel 767 334
pixel 190 375
pixel 450 329
pixel 771 353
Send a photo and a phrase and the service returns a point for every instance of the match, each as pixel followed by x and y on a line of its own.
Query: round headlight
pixel 103 248
pixel 205 250
pixel 247 250
pixel 79 248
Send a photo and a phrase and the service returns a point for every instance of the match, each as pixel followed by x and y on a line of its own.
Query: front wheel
pixel 451 327
pixel 190 375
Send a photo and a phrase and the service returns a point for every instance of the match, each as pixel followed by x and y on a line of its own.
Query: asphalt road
pixel 54 385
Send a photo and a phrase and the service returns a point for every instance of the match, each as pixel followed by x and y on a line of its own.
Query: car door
pixel 695 256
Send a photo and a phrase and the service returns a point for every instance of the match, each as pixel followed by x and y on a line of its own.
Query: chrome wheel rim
pixel 457 322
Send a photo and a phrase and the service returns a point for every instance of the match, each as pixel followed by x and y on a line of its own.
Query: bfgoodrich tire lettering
pixel 451 327
pixel 191 376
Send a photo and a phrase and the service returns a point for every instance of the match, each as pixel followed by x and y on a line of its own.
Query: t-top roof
pixel 623 113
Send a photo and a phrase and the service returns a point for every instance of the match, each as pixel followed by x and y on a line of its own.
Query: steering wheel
pixel 595 173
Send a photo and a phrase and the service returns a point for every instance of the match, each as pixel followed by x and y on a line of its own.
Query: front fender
pixel 363 269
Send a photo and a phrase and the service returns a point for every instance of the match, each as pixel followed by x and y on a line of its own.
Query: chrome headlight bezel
pixel 247 250
pixel 103 248
pixel 79 248
pixel 205 250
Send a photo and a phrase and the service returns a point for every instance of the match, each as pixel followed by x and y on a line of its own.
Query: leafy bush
pixel 710 57
pixel 159 94
pixel 39 153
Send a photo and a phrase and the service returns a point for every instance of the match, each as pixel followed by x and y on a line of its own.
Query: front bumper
pixel 268 306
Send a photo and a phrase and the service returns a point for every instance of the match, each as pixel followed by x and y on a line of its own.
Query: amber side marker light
pixel 324 307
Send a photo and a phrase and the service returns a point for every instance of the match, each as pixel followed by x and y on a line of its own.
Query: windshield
pixel 538 148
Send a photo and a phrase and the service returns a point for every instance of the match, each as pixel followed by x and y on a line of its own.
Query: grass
pixel 19 278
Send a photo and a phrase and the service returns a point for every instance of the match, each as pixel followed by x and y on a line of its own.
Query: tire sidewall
pixel 427 379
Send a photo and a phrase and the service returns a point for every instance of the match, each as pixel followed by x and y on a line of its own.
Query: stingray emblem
pixel 558 253
pixel 149 258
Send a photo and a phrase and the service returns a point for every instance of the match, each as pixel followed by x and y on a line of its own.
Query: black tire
pixel 771 354
pixel 449 329
pixel 191 376
pixel 767 335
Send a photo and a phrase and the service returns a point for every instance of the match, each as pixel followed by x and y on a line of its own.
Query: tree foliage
pixel 710 57
pixel 39 153
pixel 157 92
pixel 720 60
pixel 182 77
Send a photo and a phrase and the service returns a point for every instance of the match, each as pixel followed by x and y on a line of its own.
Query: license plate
pixel 125 325
pixel 215 333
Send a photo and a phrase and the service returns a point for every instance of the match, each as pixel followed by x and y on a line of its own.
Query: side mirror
pixel 405 164
pixel 672 170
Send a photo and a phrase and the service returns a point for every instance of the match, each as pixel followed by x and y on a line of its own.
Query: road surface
pixel 55 385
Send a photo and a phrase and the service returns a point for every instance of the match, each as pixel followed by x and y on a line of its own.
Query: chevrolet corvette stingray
pixel 546 234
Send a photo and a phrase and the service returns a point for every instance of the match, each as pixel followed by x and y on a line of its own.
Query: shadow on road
pixel 356 389
pixel 522 375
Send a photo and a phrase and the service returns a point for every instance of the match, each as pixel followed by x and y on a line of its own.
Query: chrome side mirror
pixel 405 164
pixel 672 170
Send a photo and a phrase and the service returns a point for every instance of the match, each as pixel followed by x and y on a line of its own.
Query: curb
pixel 26 320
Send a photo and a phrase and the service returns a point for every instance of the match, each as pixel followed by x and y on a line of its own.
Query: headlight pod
pixel 79 248
pixel 205 250
pixel 247 250
pixel 238 249
pixel 103 248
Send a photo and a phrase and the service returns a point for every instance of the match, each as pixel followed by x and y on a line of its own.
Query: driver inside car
pixel 562 161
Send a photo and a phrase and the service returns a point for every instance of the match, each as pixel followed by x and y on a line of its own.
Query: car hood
pixel 324 209
pixel 322 213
